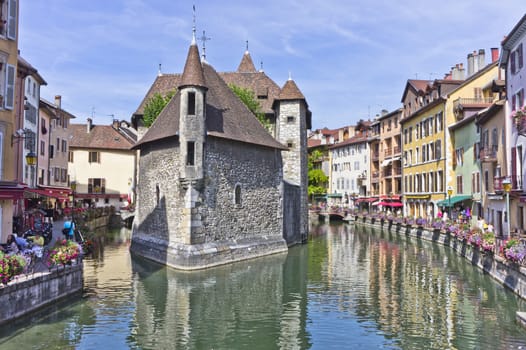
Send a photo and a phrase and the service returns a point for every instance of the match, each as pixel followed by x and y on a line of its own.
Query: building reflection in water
pixel 251 304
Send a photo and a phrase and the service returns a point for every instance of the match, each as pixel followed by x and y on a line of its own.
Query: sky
pixel 351 59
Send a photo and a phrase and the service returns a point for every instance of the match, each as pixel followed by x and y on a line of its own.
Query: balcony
pixel 488 155
pixel 474 104
pixel 516 183
pixel 388 172
pixel 397 171
pixel 375 155
pixel 388 152
pixel 397 150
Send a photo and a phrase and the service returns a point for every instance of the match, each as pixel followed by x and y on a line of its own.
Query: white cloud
pixel 349 58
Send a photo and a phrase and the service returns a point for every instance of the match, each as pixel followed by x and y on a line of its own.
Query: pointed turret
pixel 290 91
pixel 246 65
pixel 193 71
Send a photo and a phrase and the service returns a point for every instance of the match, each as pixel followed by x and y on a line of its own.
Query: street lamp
pixel 31 158
pixel 506 184
pixel 449 193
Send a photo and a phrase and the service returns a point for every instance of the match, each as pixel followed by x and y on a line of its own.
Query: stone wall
pixel 25 295
pixel 221 230
pixel 506 273
pixel 292 213
pixel 257 171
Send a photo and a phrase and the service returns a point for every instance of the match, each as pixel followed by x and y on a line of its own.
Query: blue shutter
pixel 11 19
pixel 9 101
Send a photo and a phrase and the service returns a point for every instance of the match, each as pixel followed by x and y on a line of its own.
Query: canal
pixel 345 289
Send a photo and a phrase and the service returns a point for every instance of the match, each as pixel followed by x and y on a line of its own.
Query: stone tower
pixel 192 126
pixel 292 121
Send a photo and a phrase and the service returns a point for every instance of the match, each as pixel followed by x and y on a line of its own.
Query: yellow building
pixel 10 189
pixel 462 137
pixel 423 136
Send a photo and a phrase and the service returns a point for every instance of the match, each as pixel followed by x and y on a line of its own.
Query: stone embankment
pixel 507 273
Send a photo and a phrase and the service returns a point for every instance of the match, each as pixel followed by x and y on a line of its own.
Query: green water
pixel 342 290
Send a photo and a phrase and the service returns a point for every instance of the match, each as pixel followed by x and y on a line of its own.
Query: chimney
pixel 482 59
pixel 461 71
pixel 494 54
pixel 475 62
pixel 58 101
pixel 89 125
pixel 470 64
pixel 454 72
pixel 115 124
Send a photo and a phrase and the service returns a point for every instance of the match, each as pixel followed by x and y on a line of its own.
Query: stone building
pixel 213 186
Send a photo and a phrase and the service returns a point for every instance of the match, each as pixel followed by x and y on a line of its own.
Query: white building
pixel 512 60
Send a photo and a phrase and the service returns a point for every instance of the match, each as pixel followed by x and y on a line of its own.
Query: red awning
pixel 370 200
pixel 391 204
pixel 11 190
pixel 99 195
pixel 51 192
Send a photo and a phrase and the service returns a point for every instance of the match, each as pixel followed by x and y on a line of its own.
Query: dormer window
pixel 191 103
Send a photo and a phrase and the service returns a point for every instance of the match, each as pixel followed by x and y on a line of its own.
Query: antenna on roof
pixel 204 39
pixel 261 66
pixel 193 28
pixel 159 72
pixel 92 112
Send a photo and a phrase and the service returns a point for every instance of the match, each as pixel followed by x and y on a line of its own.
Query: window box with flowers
pixel 519 119
pixel 63 253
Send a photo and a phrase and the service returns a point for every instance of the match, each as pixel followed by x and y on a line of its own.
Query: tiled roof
pixel 246 65
pixel 265 89
pixel 100 137
pixel 313 143
pixel 162 84
pixel 290 91
pixel 226 116
pixel 350 141
pixel 192 73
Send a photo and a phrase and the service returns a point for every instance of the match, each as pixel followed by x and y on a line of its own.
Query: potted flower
pixel 63 253
pixel 514 251
pixel 10 266
pixel 519 118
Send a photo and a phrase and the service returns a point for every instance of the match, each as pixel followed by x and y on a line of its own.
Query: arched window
pixel 237 195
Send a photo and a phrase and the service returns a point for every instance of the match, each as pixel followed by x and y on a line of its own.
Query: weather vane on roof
pixel 247 45
pixel 204 39
pixel 193 27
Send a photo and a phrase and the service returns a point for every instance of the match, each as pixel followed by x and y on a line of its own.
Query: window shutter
pixel 11 20
pixel 10 87
pixel 519 52
pixel 514 166
pixel 521 98
pixel 512 61
pixel 513 102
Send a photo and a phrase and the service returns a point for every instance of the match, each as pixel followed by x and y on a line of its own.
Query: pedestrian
pixel 69 228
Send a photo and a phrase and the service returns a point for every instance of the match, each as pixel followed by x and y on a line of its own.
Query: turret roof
pixel 246 65
pixel 226 116
pixel 290 91
pixel 193 71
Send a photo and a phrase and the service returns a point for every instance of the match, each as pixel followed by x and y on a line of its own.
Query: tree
pixel 248 97
pixel 155 105
pixel 317 178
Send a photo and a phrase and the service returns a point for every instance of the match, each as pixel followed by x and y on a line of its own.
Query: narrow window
pixel 237 195
pixel 191 103
pixel 157 194
pixel 190 153
pixel 290 119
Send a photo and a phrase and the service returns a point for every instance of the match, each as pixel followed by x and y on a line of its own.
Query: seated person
pixel 21 242
pixel 12 247
pixel 38 240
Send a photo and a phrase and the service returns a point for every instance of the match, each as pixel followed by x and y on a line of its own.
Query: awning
pixel 386 162
pixel 376 203
pixel 50 192
pixel 417 196
pixel 454 200
pixel 334 195
pixel 11 190
pixel 101 195
pixel 370 200
pixel 391 204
